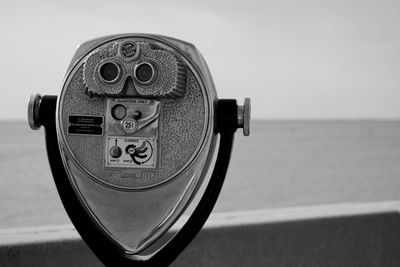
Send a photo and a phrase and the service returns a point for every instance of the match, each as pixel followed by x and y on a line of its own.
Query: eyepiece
pixel 110 72
pixel 145 73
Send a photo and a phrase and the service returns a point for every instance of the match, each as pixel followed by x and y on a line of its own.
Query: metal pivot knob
pixel 33 111
pixel 243 116
pixel 115 152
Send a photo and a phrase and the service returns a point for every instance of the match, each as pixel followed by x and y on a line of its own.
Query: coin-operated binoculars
pixel 130 140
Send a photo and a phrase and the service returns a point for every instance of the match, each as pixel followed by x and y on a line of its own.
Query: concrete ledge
pixel 365 234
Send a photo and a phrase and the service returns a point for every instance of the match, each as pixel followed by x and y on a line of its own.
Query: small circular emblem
pixel 129 125
pixel 129 50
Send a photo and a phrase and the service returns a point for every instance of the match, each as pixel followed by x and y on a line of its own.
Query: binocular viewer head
pixel 135 112
pixel 136 127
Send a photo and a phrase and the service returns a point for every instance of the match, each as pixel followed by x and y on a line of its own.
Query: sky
pixel 294 59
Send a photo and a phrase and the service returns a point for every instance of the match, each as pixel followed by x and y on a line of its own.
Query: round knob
pixel 244 113
pixel 115 152
pixel 118 112
pixel 33 111
pixel 130 149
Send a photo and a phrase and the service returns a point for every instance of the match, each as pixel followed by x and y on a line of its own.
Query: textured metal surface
pixel 170 71
pixel 181 130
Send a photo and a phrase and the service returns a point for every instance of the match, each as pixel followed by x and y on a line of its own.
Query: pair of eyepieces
pixel 111 73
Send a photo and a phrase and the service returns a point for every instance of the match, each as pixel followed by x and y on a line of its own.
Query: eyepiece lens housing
pixel 144 73
pixel 109 72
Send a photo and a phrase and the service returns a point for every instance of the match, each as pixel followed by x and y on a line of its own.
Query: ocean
pixel 281 164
